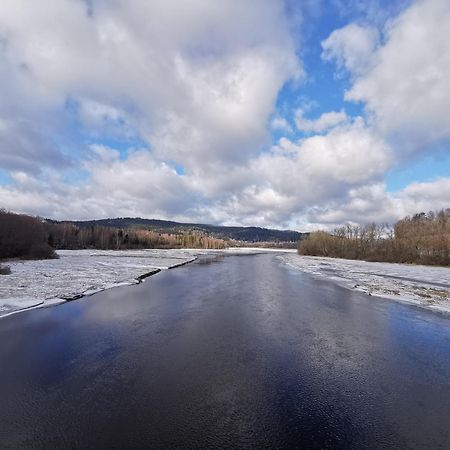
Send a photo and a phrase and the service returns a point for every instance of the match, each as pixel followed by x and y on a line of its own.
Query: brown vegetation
pixel 66 235
pixel 29 237
pixel 23 237
pixel 420 239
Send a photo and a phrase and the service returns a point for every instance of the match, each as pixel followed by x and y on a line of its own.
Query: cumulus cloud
pixel 363 204
pixel 376 12
pixel 196 83
pixel 320 204
pixel 266 190
pixel 102 119
pixel 25 146
pixel 138 185
pixel 406 88
pixel 373 203
pixel 197 80
pixel 315 170
pixel 326 121
pixel 418 197
pixel 351 47
pixel 280 124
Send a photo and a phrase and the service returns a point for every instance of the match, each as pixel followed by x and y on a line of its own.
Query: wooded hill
pixel 246 235
pixel 23 236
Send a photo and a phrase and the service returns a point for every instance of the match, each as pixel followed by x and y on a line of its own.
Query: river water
pixel 238 352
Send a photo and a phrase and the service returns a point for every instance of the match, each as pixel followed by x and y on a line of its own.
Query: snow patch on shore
pixel 79 273
pixel 424 286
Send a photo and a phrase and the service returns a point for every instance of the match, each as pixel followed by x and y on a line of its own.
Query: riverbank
pixel 79 273
pixel 423 286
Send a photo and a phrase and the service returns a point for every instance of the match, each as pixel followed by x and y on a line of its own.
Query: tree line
pixel 27 237
pixel 419 239
pixel 24 236
pixel 66 235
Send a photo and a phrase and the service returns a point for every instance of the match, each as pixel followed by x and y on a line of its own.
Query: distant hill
pixel 244 234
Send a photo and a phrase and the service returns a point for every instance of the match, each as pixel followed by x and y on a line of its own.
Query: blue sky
pixel 325 90
pixel 276 113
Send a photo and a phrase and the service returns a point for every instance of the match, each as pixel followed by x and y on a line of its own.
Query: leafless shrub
pixel 29 237
pixel 23 236
pixel 420 239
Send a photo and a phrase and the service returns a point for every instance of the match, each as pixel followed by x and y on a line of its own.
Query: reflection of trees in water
pixel 208 259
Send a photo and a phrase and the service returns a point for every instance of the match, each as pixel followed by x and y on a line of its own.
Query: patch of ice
pixel 18 303
pixel 425 286
pixel 79 273
pixel 84 272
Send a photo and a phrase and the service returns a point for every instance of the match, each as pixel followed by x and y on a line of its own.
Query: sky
pixel 281 113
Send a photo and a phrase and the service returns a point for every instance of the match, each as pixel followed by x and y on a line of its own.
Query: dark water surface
pixel 238 353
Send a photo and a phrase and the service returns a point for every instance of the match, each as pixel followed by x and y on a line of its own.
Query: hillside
pixel 252 235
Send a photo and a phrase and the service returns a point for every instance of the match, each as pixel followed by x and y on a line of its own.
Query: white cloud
pixel 425 196
pixel 376 12
pixel 26 146
pixel 326 121
pixel 402 81
pixel 103 119
pixel 197 80
pixel 138 185
pixel 407 88
pixel 267 190
pixel 281 124
pixel 363 204
pixel 322 181
pixel 319 169
pixel 322 166
pixel 351 47
pixel 197 83
pixel 373 203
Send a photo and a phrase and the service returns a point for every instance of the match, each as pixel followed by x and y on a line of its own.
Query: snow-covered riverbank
pixel 80 272
pixel 423 286
pixel 83 272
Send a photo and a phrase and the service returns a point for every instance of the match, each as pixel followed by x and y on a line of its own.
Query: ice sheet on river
pixel 84 272
pixel 80 272
pixel 424 286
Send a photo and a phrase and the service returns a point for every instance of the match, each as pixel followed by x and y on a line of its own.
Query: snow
pixel 79 273
pixel 424 286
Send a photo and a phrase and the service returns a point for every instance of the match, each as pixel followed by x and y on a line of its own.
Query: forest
pixel 418 239
pixel 253 235
pixel 28 237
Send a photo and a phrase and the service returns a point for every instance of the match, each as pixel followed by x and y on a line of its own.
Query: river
pixel 232 352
